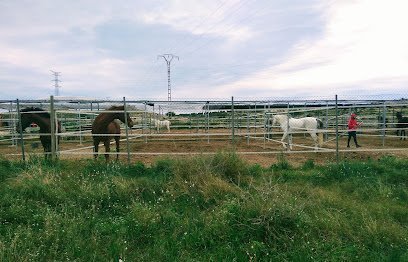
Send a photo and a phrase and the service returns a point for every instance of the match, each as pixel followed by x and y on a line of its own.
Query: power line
pixel 203 21
pixel 231 27
pixel 168 58
pixel 56 82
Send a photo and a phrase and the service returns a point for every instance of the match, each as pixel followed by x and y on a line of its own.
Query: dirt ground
pixel 185 143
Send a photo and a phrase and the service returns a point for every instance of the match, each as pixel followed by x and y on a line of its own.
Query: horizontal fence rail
pixel 203 127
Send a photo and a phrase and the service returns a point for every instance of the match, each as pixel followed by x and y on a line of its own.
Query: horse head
pixel 122 116
pixel 26 117
pixel 273 120
pixel 278 119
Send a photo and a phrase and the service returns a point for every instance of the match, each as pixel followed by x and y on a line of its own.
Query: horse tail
pixel 320 125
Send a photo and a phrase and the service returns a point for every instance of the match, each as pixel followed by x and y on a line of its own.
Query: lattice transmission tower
pixel 56 82
pixel 168 58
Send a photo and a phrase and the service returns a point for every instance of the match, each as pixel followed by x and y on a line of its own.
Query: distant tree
pixel 170 114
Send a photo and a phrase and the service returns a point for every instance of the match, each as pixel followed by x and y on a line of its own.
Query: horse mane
pixel 40 111
pixel 116 108
pixel 282 116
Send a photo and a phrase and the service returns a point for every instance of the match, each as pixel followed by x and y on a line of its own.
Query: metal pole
pixel 145 121
pixel 304 114
pixel 248 124
pixel 288 127
pixel 208 122
pixel 255 118
pixel 127 131
pixel 190 123
pixel 233 121
pixel 12 119
pixel 198 115
pixel 52 124
pixel 327 120
pixel 79 123
pixel 265 127
pixel 384 116
pixel 239 118
pixel 269 122
pixel 92 114
pixel 56 133
pixel 337 133
pixel 393 119
pixel 20 127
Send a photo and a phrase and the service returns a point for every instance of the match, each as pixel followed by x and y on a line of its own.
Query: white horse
pixel 162 123
pixel 309 124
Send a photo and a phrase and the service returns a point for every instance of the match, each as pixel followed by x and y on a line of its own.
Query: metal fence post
pixel 56 134
pixel 91 104
pixel 207 122
pixel 327 121
pixel 255 120
pixel 265 127
pixel 288 128
pixel 190 122
pixel 144 122
pixel 337 132
pixel 79 123
pixel 269 122
pixel 126 131
pixel 248 123
pixel 20 128
pixel 12 119
pixel 52 124
pixel 384 118
pixel 233 121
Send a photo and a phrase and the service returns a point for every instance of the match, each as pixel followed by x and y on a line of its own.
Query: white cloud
pixel 363 45
pixel 202 18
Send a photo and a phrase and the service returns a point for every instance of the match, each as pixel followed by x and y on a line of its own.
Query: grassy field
pixel 215 208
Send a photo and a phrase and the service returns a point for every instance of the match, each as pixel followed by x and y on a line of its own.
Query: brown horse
pixel 104 128
pixel 42 118
pixel 402 125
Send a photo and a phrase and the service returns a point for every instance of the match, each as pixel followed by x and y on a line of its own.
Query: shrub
pixel 282 163
pixel 309 164
pixel 230 166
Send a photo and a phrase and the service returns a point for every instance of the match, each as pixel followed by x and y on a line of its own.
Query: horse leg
pixel 96 148
pixel 107 149
pixel 47 151
pixel 315 139
pixel 117 147
pixel 290 141
pixel 285 134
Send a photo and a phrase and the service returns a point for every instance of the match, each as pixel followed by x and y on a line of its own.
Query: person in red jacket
pixel 352 129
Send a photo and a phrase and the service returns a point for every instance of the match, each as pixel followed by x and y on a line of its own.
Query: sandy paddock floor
pixel 185 143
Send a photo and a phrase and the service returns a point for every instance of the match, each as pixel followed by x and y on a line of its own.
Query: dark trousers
pixel 354 135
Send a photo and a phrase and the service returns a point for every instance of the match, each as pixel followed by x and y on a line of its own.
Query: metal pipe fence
pixel 246 125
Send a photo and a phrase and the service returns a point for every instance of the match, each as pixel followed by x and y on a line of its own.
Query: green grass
pixel 217 208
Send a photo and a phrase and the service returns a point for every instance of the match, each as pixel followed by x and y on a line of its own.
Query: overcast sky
pixel 245 49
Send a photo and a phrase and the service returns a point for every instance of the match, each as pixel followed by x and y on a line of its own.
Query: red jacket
pixel 352 124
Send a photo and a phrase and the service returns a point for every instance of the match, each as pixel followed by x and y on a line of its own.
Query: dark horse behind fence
pixel 402 125
pixel 105 128
pixel 42 118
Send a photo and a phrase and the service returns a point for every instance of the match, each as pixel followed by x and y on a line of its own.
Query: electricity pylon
pixel 168 58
